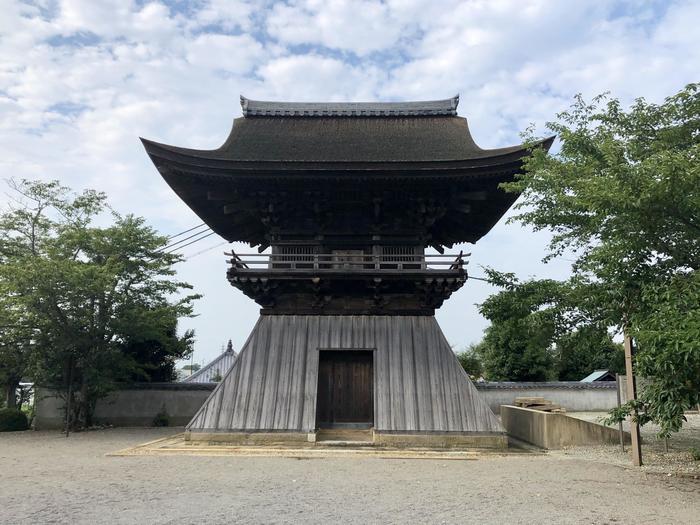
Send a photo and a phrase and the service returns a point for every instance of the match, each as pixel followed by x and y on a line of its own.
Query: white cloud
pixel 229 14
pixel 313 77
pixel 360 27
pixel 234 54
pixel 80 83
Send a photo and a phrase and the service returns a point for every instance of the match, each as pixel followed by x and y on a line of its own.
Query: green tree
pixel 525 320
pixel 470 361
pixel 154 356
pixel 23 229
pixel 585 349
pixel 84 292
pixel 623 195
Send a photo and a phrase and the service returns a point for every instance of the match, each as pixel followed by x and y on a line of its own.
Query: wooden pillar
pixel 632 396
pixel 619 403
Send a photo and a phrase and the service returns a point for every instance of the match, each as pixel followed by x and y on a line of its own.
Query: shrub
pixel 11 420
pixel 162 418
pixel 695 453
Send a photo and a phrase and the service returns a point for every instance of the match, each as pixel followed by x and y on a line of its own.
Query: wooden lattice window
pixel 302 256
pixel 401 257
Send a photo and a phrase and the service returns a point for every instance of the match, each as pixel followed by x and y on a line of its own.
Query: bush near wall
pixel 12 420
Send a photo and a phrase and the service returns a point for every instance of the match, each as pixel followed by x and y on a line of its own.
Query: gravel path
pixel 46 478
pixel 677 460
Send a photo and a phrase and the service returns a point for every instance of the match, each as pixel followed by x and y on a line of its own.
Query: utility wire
pixel 206 250
pixel 478 278
pixel 174 244
pixel 189 243
pixel 186 231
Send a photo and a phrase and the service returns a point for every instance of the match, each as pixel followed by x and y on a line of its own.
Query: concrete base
pixel 554 431
pixel 251 438
pixel 439 440
pixel 428 440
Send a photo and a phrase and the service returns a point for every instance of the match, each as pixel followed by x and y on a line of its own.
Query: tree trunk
pixel 69 395
pixel 84 404
pixel 11 393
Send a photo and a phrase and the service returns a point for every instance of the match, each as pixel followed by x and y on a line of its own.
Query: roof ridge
pixel 263 108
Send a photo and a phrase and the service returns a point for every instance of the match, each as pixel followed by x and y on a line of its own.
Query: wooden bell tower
pixel 351 207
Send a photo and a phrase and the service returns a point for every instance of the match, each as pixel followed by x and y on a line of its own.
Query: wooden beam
pixel 473 196
pixel 632 396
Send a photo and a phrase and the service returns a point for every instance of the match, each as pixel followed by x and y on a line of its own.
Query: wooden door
pixel 345 389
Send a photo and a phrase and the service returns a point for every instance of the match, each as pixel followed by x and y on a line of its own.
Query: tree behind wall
pixel 85 293
pixel 589 348
pixel 524 321
pixel 542 330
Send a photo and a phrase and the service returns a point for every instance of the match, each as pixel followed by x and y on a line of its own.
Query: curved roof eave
pixel 208 159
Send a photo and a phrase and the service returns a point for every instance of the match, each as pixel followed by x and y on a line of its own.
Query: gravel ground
pixel 678 460
pixel 46 478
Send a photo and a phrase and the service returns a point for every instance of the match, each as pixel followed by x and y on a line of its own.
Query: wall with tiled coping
pixel 137 405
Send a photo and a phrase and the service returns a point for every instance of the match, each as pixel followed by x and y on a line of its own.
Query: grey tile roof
pixel 218 366
pixel 596 375
pixel 252 108
pixel 559 385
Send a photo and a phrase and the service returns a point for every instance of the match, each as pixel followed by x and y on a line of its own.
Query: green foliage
pixel 668 334
pixel 540 331
pixel 12 420
pixel 470 362
pixel 524 321
pixel 623 195
pixel 162 418
pixel 695 453
pixel 585 349
pixel 84 297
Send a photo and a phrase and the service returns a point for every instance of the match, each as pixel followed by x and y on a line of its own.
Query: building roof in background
pixel 218 366
pixel 599 375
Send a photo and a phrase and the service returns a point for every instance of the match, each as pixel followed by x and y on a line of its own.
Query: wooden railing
pixel 347 262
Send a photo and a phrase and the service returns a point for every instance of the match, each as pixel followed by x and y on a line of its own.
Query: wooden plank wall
pixel 418 382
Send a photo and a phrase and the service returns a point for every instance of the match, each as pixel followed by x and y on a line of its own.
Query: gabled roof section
pixel 259 108
pixel 599 375
pixel 218 367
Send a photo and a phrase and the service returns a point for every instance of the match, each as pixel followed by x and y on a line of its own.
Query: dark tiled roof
pixel 564 385
pixel 252 108
pixel 293 140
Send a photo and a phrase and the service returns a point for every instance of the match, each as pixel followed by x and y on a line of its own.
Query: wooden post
pixel 619 425
pixel 70 395
pixel 632 396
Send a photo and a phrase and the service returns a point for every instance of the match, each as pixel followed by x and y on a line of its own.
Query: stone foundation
pixel 429 440
pixel 251 438
pixel 435 440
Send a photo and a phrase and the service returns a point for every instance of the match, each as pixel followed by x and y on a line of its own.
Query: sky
pixel 82 80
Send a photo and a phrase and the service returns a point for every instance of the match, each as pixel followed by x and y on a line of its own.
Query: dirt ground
pixel 46 478
pixel 673 458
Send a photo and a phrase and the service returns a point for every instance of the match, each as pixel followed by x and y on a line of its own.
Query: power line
pixel 186 231
pixel 205 250
pixel 174 244
pixel 189 243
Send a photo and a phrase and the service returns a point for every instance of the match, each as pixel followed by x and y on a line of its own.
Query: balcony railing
pixel 330 262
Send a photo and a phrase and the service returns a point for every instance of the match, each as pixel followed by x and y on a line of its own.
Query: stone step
pixel 338 443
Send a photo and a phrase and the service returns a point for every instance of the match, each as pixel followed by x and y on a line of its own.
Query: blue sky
pixel 81 80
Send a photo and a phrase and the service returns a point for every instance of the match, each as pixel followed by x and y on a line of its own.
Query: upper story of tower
pixel 345 175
